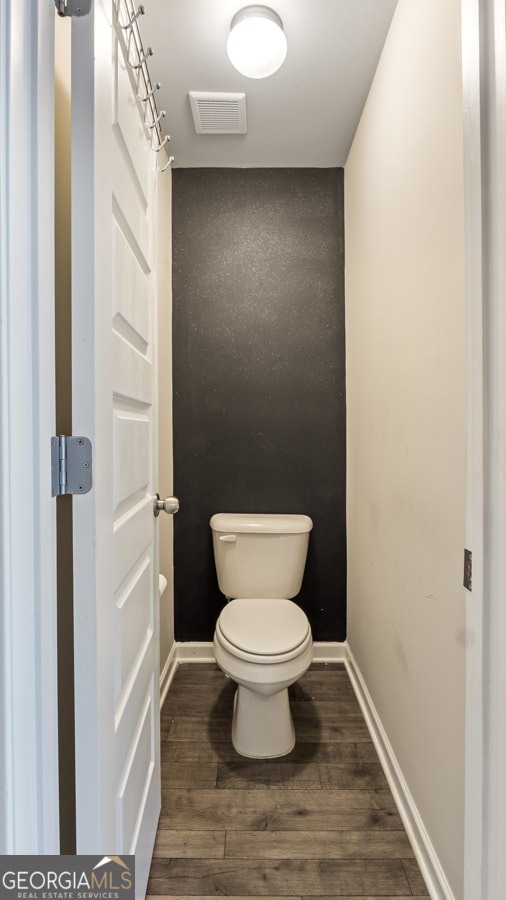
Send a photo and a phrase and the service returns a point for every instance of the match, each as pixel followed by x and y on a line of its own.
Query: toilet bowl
pixel 262 642
pixel 263 663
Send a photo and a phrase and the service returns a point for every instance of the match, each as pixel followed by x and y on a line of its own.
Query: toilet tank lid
pixel 260 523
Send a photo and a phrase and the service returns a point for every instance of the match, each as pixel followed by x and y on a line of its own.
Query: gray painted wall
pixel 259 375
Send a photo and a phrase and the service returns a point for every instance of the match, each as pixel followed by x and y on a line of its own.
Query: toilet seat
pixel 263 630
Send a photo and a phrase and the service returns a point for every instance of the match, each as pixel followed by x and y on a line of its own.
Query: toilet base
pixel 262 726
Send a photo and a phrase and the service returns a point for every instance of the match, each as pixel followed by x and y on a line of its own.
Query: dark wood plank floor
pixel 320 822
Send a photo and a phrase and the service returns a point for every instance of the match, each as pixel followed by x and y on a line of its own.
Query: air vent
pixel 218 113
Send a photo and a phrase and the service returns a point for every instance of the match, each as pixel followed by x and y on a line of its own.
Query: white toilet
pixel 262 640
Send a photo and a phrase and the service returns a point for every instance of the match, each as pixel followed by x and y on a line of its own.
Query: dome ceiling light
pixel 256 44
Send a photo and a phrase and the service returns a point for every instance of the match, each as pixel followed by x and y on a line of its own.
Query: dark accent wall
pixel 259 375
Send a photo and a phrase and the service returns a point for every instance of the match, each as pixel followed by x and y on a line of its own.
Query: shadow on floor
pixel 255 769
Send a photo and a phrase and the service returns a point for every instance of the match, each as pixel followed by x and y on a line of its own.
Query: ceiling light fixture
pixel 256 44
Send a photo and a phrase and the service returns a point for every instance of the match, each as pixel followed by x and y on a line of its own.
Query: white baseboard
pixel 329 651
pixel 427 859
pixel 187 651
pixel 202 652
pixel 194 651
pixel 168 673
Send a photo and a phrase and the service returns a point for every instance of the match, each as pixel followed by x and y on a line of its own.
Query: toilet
pixel 262 639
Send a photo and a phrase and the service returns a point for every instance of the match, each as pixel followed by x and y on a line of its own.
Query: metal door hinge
pixel 72 7
pixel 71 471
pixel 468 569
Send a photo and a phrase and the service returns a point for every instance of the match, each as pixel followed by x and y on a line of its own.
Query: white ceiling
pixel 304 115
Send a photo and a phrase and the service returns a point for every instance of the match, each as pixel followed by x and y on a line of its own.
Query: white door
pixel 114 404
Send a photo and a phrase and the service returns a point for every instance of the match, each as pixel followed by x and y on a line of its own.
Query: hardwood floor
pixel 320 822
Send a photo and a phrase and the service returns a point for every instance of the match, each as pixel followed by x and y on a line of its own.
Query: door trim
pixel 484 82
pixel 29 821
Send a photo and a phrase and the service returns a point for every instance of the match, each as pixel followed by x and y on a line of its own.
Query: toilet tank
pixel 260 555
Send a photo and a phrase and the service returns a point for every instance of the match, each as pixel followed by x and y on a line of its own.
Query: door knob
pixel 170 505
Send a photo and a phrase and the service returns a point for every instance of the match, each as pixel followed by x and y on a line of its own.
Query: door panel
pixel 116 553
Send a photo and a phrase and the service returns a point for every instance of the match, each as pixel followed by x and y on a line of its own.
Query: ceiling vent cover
pixel 218 113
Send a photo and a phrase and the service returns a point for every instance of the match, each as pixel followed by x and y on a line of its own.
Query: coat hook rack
pixel 137 61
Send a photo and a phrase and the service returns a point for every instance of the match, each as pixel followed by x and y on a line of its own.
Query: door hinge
pixel 71 470
pixel 468 569
pixel 72 7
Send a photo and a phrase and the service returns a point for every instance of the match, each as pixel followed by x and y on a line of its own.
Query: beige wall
pixel 406 381
pixel 165 479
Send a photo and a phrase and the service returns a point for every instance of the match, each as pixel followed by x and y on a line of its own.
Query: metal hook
pixel 161 116
pixel 151 92
pixel 142 60
pixel 140 12
pixel 167 164
pixel 166 138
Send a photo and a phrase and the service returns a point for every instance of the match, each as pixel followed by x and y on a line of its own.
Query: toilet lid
pixel 266 627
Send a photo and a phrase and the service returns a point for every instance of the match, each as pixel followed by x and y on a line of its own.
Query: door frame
pixel 29 817
pixel 484 84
